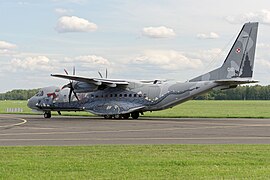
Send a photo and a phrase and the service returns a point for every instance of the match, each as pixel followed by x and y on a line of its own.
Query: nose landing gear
pixel 47 114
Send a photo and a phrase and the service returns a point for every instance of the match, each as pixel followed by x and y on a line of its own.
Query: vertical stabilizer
pixel 239 62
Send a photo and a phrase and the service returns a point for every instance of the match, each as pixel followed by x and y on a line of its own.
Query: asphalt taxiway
pixel 22 130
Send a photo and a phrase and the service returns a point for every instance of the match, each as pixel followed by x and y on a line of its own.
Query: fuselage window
pixel 115 95
pixel 135 95
pixel 125 95
pixel 120 95
pixel 140 95
pixel 130 95
pixel 96 96
pixel 111 95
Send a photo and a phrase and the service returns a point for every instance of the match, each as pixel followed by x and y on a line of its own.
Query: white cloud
pixel 263 45
pixel 205 55
pixel 211 35
pixel 7 45
pixel 264 63
pixel 158 32
pixel 74 24
pixel 211 58
pixel 168 59
pixel 32 63
pixel 92 60
pixel 62 11
pixel 262 16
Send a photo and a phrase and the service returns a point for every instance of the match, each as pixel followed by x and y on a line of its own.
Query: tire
pixel 47 114
pixel 117 116
pixel 126 116
pixel 108 116
pixel 135 115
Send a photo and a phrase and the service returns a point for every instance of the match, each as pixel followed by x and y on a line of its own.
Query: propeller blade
pixel 66 86
pixel 106 73
pixel 70 85
pixel 69 95
pixel 76 95
pixel 100 74
pixel 66 71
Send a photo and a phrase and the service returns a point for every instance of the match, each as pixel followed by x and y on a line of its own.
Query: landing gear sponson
pixel 134 115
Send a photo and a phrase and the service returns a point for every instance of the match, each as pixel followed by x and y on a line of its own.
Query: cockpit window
pixel 40 93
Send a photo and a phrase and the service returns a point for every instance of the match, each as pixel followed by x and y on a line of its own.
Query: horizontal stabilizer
pixel 235 81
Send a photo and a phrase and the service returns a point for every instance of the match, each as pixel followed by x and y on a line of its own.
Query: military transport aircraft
pixel 115 98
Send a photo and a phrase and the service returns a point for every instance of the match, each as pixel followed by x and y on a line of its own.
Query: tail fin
pixel 240 60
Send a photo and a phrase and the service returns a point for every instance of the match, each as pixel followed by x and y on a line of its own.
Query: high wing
pixel 95 81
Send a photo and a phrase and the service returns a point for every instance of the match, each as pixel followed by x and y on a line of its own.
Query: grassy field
pixel 136 162
pixel 227 109
pixel 145 161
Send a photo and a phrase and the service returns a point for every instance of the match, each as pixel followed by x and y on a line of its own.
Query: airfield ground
pixel 125 161
pixel 241 147
pixel 21 130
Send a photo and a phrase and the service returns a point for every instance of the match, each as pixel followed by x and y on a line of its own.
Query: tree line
pixel 18 94
pixel 256 92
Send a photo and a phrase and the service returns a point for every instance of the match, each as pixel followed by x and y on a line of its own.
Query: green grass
pixel 226 109
pixel 13 104
pixel 136 162
pixel 23 104
pixel 221 109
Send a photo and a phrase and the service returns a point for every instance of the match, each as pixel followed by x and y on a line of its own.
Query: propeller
pixel 100 74
pixel 106 74
pixel 70 86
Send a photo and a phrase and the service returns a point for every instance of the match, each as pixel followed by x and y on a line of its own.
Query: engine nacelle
pixel 82 87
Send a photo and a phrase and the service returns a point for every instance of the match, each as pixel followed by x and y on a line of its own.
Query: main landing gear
pixel 47 114
pixel 134 115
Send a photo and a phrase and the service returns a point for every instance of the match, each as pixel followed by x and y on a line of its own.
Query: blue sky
pixel 172 39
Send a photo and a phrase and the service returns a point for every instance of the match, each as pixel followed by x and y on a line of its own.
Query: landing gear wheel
pixel 135 115
pixel 108 116
pixel 47 114
pixel 126 116
pixel 117 116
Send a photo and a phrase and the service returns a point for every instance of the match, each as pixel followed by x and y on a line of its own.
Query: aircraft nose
pixel 32 103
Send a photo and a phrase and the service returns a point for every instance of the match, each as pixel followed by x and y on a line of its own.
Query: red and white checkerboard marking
pixel 238 50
